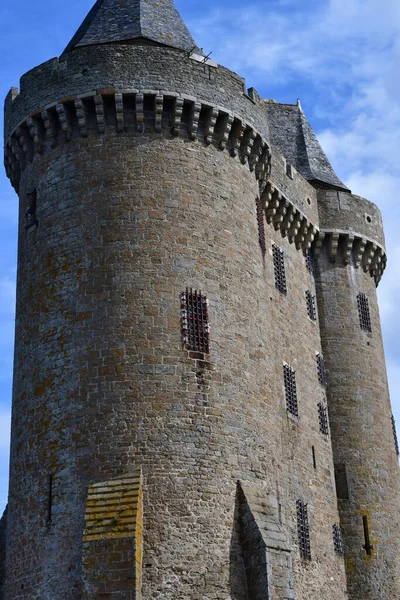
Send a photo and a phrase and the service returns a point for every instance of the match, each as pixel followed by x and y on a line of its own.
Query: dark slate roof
pixel 291 133
pixel 113 21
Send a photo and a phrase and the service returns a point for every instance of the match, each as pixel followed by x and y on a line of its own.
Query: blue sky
pixel 340 57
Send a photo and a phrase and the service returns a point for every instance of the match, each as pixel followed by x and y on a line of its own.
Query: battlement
pixel 135 112
pixel 126 67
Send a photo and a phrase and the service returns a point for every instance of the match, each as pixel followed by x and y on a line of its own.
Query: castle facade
pixel 200 403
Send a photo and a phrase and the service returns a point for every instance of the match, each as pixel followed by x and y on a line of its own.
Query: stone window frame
pixel 364 313
pixel 311 306
pixel 323 418
pixel 279 268
pixel 194 321
pixel 321 370
pixel 290 385
pixel 303 529
pixel 338 539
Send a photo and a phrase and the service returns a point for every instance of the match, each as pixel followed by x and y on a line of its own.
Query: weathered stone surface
pixel 139 173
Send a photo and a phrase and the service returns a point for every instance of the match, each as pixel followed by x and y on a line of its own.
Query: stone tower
pixel 196 288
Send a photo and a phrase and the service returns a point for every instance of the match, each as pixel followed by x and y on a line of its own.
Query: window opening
pixel 289 376
pixel 338 539
pixel 367 546
pixel 30 213
pixel 279 269
pixel 396 441
pixel 323 418
pixel 310 261
pixel 50 498
pixel 321 369
pixel 314 457
pixel 194 319
pixel 303 530
pixel 363 312
pixel 261 225
pixel 311 310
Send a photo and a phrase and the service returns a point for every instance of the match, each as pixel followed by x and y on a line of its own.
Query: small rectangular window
pixel 338 539
pixel 279 269
pixel 311 310
pixel 289 377
pixel 303 530
pixel 342 488
pixel 194 319
pixel 310 261
pixel 314 458
pixel 396 442
pixel 363 312
pixel 323 418
pixel 321 369
pixel 261 225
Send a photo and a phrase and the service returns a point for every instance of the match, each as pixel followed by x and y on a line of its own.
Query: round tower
pixel 170 435
pixel 350 262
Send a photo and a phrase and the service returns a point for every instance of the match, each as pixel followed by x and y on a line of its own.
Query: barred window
pixel 338 539
pixel 261 226
pixel 279 269
pixel 289 377
pixel 321 369
pixel 310 261
pixel 303 530
pixel 323 418
pixel 194 319
pixel 311 310
pixel 396 442
pixel 363 312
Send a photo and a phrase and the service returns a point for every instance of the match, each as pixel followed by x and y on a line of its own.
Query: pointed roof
pixel 292 134
pixel 113 21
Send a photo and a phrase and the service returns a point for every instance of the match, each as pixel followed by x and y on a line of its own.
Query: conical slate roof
pixel 292 134
pixel 113 21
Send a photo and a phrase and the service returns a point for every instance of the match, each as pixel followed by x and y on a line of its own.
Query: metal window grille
pixel 261 226
pixel 303 530
pixel 289 377
pixel 338 539
pixel 321 369
pixel 363 312
pixel 323 418
pixel 396 442
pixel 194 319
pixel 311 310
pixel 310 262
pixel 279 269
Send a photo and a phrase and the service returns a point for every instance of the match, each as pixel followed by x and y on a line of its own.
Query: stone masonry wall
pixel 103 383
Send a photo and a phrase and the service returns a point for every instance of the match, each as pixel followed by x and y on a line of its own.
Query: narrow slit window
pixel 338 539
pixel 323 418
pixel 30 213
pixel 396 441
pixel 367 546
pixel 310 262
pixel 310 302
pixel 321 369
pixel 279 269
pixel 289 377
pixel 50 498
pixel 314 458
pixel 261 225
pixel 194 319
pixel 303 530
pixel 363 312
